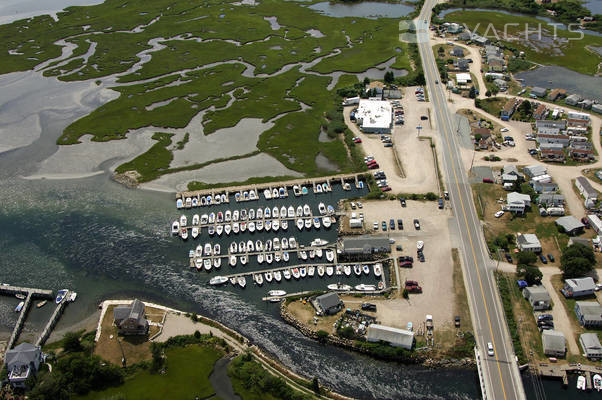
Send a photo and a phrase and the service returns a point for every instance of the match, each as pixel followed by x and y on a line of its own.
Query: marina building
pixel 393 336
pixel 328 304
pixel 374 116
pixel 366 245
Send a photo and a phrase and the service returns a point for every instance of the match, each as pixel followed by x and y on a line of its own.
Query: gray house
pixel 366 245
pixel 589 313
pixel 554 343
pixel 550 200
pixel 586 189
pixel 535 170
pixel 547 187
pixel 538 297
pixel 130 319
pixel 528 242
pixel 393 336
pixel 539 91
pixel 578 287
pixel 591 346
pixel 571 225
pixel 22 362
pixel 457 51
pixel 328 304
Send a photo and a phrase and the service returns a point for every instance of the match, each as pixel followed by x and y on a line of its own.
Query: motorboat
pixel 267 213
pixel 319 242
pixel 346 186
pixel 217 249
pixel 191 253
pixel 378 270
pixel 243 226
pixel 296 190
pixel 260 258
pixel 259 226
pixel 20 306
pixel 581 383
pixel 195 219
pixel 304 190
pixel 326 187
pixel 362 287
pixel 217 200
pixel 290 212
pixel 277 256
pixel 322 208
pixel 275 212
pixel 258 279
pixel 175 228
pixel 275 193
pixel 188 202
pixel 252 195
pixel 250 246
pixel 242 282
pixel 318 188
pixel 198 264
pixel 419 245
pixel 283 212
pixel 276 243
pixel 329 270
pixel 225 198
pixel 209 200
pixel 258 245
pixel 292 243
pixel 207 250
pixel 320 271
pixel 276 293
pixel 303 255
pixel 338 270
pixel 227 229
pixel 329 255
pixel 235 215
pixel 203 201
pixel 366 269
pixel 318 253
pixel 277 276
pixel 228 216
pixel 211 230
pixel 184 233
pixel 267 225
pixel 326 222
pixel 312 254
pixel 199 250
pixel 207 264
pixel 275 225
pixel 242 247
pixel 303 272
pixel 235 228
pixel 233 280
pixel 285 256
pixel 211 218
pixel 284 224
pixel 232 260
pixel 269 258
pixel 296 273
pixel 233 248
pixel 220 217
pixel 306 210
pixel 237 196
pixel 268 245
pixel 195 232
pixel 357 269
pixel 284 243
pixel 282 192
pixel 360 184
pixel 259 213
pixel 60 295
pixel 41 303
pixel 330 210
pixel 311 270
pixel 244 259
pixel 267 194
pixel 308 223
pixel 300 224
pixel 317 223
pixel 204 219
pixel 218 280
pixel 243 214
pixel 268 277
pixel 299 212
pixel 251 213
pixel 252 226
pixel 219 229
pixel 347 270
pixel 217 262
pixel 179 204
pixel 380 285
pixel 597 380
pixel 339 287
pixel 287 274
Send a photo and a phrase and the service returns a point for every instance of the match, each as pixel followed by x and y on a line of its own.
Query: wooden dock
pixel 256 253
pixel 292 220
pixel 58 311
pixel 561 371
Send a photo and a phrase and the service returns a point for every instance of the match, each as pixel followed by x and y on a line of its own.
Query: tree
pixel 526 258
pixel 579 250
pixel 525 108
pixel 322 335
pixel 71 343
pixel 530 273
pixel 366 81
pixel 501 241
pixel 472 93
pixel 488 93
pixel 525 188
pixel 389 77
pixel 575 268
pixel 315 385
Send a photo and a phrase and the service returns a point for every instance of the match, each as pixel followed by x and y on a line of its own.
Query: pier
pixel 292 220
pixel 256 253
pixel 561 371
pixel 58 311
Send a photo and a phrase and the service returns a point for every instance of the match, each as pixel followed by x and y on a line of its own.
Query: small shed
pixel 393 336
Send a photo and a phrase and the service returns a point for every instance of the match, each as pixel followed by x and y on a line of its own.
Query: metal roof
pixel 553 340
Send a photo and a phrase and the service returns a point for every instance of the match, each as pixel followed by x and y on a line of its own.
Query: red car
pixel 411 283
pixel 370 162
pixel 406 264
pixel 385 189
pixel 373 166
pixel 487 180
pixel 357 140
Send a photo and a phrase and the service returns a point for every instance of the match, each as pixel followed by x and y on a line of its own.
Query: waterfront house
pixel 528 242
pixel 538 297
pixel 22 363
pixel 535 170
pixel 554 343
pixel 393 336
pixel 578 287
pixel 591 345
pixel 328 304
pixel 597 108
pixel 571 225
pixel 130 319
pixel 556 94
pixel 572 100
pixel 589 314
pixel 538 91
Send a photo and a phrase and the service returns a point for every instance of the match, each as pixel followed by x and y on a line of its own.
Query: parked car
pixel 388 144
pixel 385 189
pixel 375 226
pixel 446 195
pixel 551 258
pixel 585 222
pixel 359 205
pixel 499 214
pixel 374 166
pixel 400 224
pixel 406 264
pixel 509 258
pixel 384 225
pixel 417 224
pixel 543 259
pixel 368 307
pixel 440 203
pixel 402 201
pixel 424 117
pixel 545 317
pixel 421 257
pixel 357 140
pixel 457 321
pixel 487 180
pixel 392 224
pixel 504 130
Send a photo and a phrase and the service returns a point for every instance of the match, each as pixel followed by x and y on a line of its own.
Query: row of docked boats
pixel 62 295
pixel 308 271
pixel 203 201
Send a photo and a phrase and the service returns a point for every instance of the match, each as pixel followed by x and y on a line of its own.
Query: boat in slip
pixel 233 280
pixel 20 296
pixel 253 194
pixel 284 224
pixel 217 262
pixel 207 264
pixel 227 229
pixel 304 190
pixel 243 226
pixel 184 233
pixel 329 270
pixel 303 272
pixel 318 253
pixel 260 258
pixel 218 280
pixel 312 254
pixel 276 293
pixel 258 245
pixel 195 232
pixel 219 229
pixel 60 295
pixel 243 214
pixel 319 242
pixel 282 192
pixel 244 259
pixel 259 226
pixel 233 248
pixel 232 260
pixel 303 255
pixel 285 256
pixel 296 190
pixel 258 278
pixel 380 285
pixel 362 287
pixel 276 243
pixel 191 253
pixel 597 380
pixel 316 223
pixel 275 212
pixel 419 245
pixel 217 200
pixel 300 224
pixel 211 230
pixel 318 188
pixel 269 257
pixel 203 201
pixel 235 215
pixel 251 214
pixel 267 212
pixel 296 273
pixel 41 303
pixel 283 212
pixel 175 228
pixel 339 287
pixel 217 249
pixel 267 225
pixel 252 226
pixel 284 243
pixel 188 202
pixel 20 306
pixel 242 247
pixel 326 222
pixel 198 264
pixel 204 219
pixel 268 277
pixel 581 384
pixel 179 204
pixel 250 246
pixel 357 269
pixel 306 210
pixel 292 243
pixel 195 219
pixel 299 211
pixel 277 256
pixel 322 208
pixel 290 212
pixel 275 193
pixel 242 282
pixel 330 210
pixel 378 269
pixel 338 270
pixel 277 276
pixel 228 216
pixel 329 255
pixel 275 225
pixel 320 271
pixel 326 187
pixel 308 223
pixel 311 270
pixel 268 245
pixel 211 218
pixel 207 250
pixel 220 217
pixel 259 213
pixel 366 269
pixel 347 270
pixel 287 274
pixel 267 193
pixel 235 228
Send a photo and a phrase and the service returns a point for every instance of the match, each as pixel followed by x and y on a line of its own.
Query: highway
pixel 502 377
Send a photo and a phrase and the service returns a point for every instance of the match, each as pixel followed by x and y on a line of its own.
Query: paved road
pixel 501 373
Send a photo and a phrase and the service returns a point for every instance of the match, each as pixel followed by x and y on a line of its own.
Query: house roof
pixel 538 91
pixel 552 136
pixel 328 300
pixel 535 170
pixel 553 340
pixel 580 284
pixel 481 131
pixel 510 169
pixel 515 197
pixel 569 223
pixel 23 354
pixel 589 341
pixel 537 293
pixel 133 311
pixel 546 198
pixel 587 187
pixel 365 243
pixel 391 335
pixel 591 310
pixel 509 177
pixel 528 239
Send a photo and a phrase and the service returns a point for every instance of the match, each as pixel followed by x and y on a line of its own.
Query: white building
pixel 578 115
pixel 528 242
pixel 517 202
pixel 374 116
pixel 463 78
pixel 595 223
pixel 395 337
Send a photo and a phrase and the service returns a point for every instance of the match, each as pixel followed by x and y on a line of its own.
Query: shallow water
pixel 587 86
pixel 365 9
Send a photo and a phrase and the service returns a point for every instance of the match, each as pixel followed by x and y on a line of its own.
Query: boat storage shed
pixel 327 304
pixel 366 245
pixel 395 337
pixel 591 345
pixel 374 116
pixel 554 343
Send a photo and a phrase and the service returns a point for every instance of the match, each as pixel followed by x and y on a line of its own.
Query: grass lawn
pixel 187 377
pixel 491 105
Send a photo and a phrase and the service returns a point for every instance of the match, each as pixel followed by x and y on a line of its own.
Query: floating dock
pixel 561 371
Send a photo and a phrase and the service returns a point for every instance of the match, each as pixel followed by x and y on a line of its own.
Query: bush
pixel 71 343
pixel 530 273
pixel 346 332
pixel 322 336
pixel 526 257
pixel 577 261
pixel 405 294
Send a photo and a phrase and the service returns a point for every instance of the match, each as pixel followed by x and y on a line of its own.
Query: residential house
pixel 517 202
pixel 509 108
pixel 562 139
pixel 501 84
pixel 541 179
pixel 22 362
pixel 556 94
pixel 393 336
pixel 551 146
pixel 554 343
pixel 538 297
pixel 493 51
pixel 540 112
pixel 591 345
pixel 510 169
pixel 509 178
pixel 547 123
pixel 578 287
pixel 480 40
pixel 582 154
pixel 548 187
pixel 572 100
pixel 597 108
pixel 328 304
pixel 464 36
pixel 577 123
pixel 576 115
pixel 457 51
pixel 587 191
pixel 454 28
pixel 595 223
pixel 550 200
pixel 482 133
pixel 528 242
pixel 538 91
pixel 130 319
pixel 463 78
pixel 589 313
pixel 586 104
pixel 495 65
pixel 462 64
pixel 535 170
pixel 571 225
pixel 552 155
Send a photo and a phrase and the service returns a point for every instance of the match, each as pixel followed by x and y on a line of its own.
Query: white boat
pixel 207 250
pixel 242 247
pixel 258 245
pixel 320 271
pixel 217 262
pixel 283 212
pixel 260 258
pixel 277 256
pixel 232 260
pixel 203 201
pixel 267 225
pixel 228 216
pixel 235 228
pixel 258 279
pixel 419 245
pixel 287 274
pixel 184 233
pixel 211 218
pixel 275 193
pixel 285 256
pixel 299 212
pixel 218 280
pixel 306 210
pixel 191 253
pixel 347 270
pixel 268 277
pixel 290 212
pixel 60 295
pixel 217 249
pixel 296 190
pixel 326 187
pixel 269 258
pixel 227 229
pixel 378 269
pixel 204 219
pixel 365 288
pixel 267 194
pixel 597 380
pixel 225 198
pixel 275 225
pixel 195 232
pixel 243 214
pixel 282 192
pixel 296 273
pixel 175 228
pixel 243 226
pixel 19 306
pixel 303 272
pixel 304 190
pixel 276 243
pixel 207 264
pixel 318 188
pixel 183 221
pixel 322 208
pixel 217 200
pixel 41 303
pixel 259 213
pixel 308 223
pixel 244 259
pixel 303 255
pixel 326 222
pixel 252 195
pixel 329 270
pixel 276 293
pixel 259 226
pixel 284 243
pixel 366 269
pixel 319 242
pixel 338 270
pixel 311 270
pixel 338 287
pixel 268 245
pixel 233 280
pixel 188 203
pixel 329 255
pixel 275 212
pixel 179 203
pixel 300 224
pixel 581 383
pixel 235 215
pixel 292 243
pixel 357 269
pixel 312 254
pixel 317 223
pixel 251 213
pixel 242 282
pixel 195 202
pixel 277 276
pixel 209 200
pixel 330 210
pixel 284 224
pixel 267 212
pixel 252 226
pixel 195 219
pixel 233 248
pixel 318 253
pixel 220 217
pixel 211 230
pixel 250 246
pixel 198 264
pixel 219 229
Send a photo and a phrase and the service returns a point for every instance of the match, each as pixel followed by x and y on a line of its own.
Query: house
pixel 501 84
pixel 509 108
pixel 562 139
pixel 535 170
pixel 571 225
pixel 550 200
pixel 538 91
pixel 575 115
pixel 464 36
pixel 22 362
pixel 578 287
pixel 365 245
pixel 493 51
pixel 551 146
pixel 462 64
pixel 556 94
pixel 546 123
pixel 597 108
pixel 457 51
pixel 540 112
pixel 589 313
pixel 586 104
pixel 482 133
pixel 595 223
pixel 591 345
pixel 554 343
pixel 583 241
pixel 374 116
pixel 130 319
pixel 528 242
pixel 517 202
pixel 586 189
pixel 480 40
pixel 577 123
pixel 582 154
pixel 552 155
pixel 483 144
pixel 454 28
pixel 328 304
pixel 510 169
pixel 548 187
pixel 463 78
pixel 541 179
pixel 495 65
pixel 509 178
pixel 572 100
pixel 538 297
pixel 393 336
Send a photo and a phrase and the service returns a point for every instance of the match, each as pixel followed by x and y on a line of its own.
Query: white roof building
pixel 528 242
pixel 395 337
pixel 463 78
pixel 374 116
